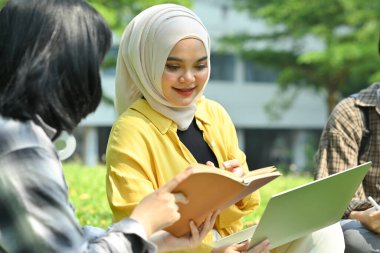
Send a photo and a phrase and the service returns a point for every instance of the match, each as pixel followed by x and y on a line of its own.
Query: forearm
pixel 159 239
pixel 370 218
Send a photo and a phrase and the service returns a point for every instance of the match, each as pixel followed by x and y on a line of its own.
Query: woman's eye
pixel 201 67
pixel 172 67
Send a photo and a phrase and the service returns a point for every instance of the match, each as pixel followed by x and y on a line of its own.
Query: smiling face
pixel 186 72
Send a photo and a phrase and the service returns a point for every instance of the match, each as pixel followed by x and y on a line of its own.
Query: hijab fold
pixel 144 48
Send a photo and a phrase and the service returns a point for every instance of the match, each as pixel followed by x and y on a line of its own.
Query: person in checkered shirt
pixel 351 137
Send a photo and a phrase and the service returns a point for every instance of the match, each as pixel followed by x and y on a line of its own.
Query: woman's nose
pixel 187 77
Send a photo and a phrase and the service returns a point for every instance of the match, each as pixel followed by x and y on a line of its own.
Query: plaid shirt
pixel 35 213
pixel 341 139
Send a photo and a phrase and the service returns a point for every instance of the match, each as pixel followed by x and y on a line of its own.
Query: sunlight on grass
pixel 87 193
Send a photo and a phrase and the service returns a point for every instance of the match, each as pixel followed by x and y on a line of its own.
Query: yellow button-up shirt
pixel 144 152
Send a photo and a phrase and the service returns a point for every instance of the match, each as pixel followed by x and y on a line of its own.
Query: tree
pixel 119 12
pixel 346 31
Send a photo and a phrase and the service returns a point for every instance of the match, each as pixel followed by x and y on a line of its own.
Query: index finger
pixel 172 184
pixel 180 198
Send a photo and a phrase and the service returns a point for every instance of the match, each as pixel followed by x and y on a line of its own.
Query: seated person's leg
pixel 328 239
pixel 359 239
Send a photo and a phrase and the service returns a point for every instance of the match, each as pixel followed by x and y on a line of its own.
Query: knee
pixel 355 243
pixel 330 238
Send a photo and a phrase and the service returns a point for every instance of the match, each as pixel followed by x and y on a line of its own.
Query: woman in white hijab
pixel 166 123
pixel 143 54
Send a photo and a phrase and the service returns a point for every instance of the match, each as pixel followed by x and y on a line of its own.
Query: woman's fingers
pixel 262 247
pixel 234 166
pixel 180 198
pixel 172 184
pixel 211 164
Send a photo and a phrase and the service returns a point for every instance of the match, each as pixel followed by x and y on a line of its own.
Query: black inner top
pixel 192 138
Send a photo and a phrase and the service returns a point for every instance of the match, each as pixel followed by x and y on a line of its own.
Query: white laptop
pixel 299 211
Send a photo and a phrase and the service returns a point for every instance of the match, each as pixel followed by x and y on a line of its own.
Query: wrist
pixel 353 215
pixel 358 215
pixel 159 239
pixel 141 219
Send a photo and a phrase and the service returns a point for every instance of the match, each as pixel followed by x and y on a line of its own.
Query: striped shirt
pixel 40 217
pixel 341 140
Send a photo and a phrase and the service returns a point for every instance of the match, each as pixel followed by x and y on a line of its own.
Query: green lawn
pixel 87 193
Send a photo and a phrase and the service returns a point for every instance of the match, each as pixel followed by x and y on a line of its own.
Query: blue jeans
pixel 358 238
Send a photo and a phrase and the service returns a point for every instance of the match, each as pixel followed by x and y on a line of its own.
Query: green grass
pixel 88 194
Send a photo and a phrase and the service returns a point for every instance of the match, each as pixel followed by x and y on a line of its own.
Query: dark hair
pixel 50 55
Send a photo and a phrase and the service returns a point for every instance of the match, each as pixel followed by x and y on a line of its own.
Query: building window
pixel 255 72
pixel 222 67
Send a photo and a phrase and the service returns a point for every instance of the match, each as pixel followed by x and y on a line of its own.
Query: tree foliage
pixel 119 12
pixel 325 44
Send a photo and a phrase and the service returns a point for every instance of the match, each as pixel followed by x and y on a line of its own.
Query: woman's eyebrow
pixel 173 58
pixel 202 59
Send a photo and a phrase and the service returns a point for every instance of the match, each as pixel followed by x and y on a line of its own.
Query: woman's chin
pixel 183 102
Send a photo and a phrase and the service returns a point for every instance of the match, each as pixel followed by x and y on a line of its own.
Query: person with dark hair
pixel 50 55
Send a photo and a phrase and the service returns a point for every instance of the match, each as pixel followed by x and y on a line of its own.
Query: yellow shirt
pixel 144 152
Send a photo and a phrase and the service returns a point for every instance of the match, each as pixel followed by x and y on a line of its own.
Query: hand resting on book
pixel 233 166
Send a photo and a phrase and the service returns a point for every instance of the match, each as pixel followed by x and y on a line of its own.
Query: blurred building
pixel 246 90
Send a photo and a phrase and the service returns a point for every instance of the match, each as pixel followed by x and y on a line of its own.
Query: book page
pixel 260 173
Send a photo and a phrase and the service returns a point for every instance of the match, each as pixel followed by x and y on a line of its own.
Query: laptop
pixel 302 210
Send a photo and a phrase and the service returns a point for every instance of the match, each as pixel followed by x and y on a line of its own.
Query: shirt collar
pixel 50 131
pixel 369 97
pixel 159 121
pixel 202 113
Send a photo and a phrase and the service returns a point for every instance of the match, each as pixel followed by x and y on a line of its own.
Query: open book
pixel 210 188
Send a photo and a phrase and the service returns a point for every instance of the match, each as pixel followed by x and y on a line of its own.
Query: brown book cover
pixel 210 188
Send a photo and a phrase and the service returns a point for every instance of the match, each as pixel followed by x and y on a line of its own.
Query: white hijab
pixel 144 48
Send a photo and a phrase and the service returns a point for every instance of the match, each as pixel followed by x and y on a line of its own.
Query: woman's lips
pixel 185 91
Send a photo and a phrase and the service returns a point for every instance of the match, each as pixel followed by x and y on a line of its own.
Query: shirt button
pixel 212 144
